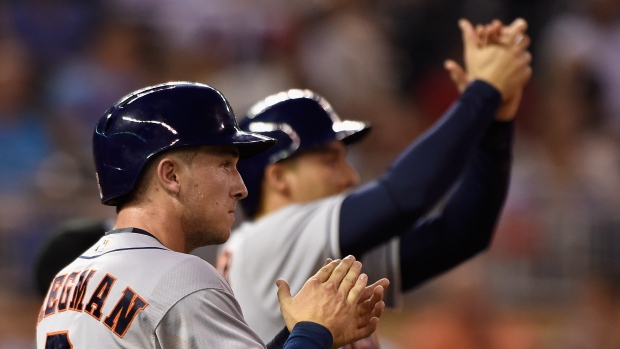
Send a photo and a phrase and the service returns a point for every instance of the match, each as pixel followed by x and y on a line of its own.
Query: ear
pixel 275 179
pixel 168 175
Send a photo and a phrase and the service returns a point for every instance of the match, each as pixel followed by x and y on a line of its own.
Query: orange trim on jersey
pixel 101 293
pixel 56 333
pixel 136 305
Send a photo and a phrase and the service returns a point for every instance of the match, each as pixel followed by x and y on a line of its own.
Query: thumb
pixel 284 290
pixel 457 74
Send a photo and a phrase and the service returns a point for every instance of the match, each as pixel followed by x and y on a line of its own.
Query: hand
pixel 370 305
pixel 498 35
pixel 498 57
pixel 330 298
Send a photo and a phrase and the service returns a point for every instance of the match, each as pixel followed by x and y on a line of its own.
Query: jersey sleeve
pixel 203 318
pixel 422 175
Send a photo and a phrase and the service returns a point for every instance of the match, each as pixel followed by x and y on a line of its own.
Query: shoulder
pixel 193 273
pixel 297 213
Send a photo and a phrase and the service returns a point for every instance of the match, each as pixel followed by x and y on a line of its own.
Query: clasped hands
pixel 337 297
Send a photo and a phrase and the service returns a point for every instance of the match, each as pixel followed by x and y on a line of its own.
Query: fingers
pixel 457 74
pixel 373 306
pixel 370 289
pixel 355 293
pixel 326 271
pixel 519 25
pixel 515 33
pixel 341 270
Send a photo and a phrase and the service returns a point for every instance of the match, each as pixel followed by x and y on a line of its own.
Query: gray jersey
pixel 129 291
pixel 293 244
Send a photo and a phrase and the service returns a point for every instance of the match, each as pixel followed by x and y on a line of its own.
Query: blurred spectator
pixel 462 313
pixel 122 57
pixel 562 203
pixel 579 49
pixel 24 142
pixel 345 55
pixel 593 320
pixel 53 30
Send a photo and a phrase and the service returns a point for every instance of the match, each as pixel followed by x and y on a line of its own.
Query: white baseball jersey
pixel 129 291
pixel 293 243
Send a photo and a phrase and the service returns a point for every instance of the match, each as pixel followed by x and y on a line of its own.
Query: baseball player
pixel 166 157
pixel 434 208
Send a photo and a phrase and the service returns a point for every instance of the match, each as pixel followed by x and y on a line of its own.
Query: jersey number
pixel 58 340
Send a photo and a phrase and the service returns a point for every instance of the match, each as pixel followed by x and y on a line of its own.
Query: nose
pixel 238 190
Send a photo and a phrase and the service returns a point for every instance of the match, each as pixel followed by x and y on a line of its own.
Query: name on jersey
pixel 68 292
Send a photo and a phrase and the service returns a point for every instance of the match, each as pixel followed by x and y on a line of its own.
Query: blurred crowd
pixel 552 274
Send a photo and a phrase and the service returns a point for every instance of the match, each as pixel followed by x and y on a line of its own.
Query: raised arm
pixel 466 224
pixel 430 167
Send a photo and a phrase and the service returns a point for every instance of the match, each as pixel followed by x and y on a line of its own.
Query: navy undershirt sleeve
pixel 421 176
pixel 309 335
pixel 278 341
pixel 466 224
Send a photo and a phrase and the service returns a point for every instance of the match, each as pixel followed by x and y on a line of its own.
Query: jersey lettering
pixel 64 298
pixel 118 321
pixel 97 300
pixel 124 312
pixel 52 296
pixel 58 340
pixel 80 290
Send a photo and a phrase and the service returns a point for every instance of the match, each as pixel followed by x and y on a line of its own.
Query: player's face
pixel 320 173
pixel 211 195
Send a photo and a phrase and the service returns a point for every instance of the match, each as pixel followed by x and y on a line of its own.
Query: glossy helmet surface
pixel 300 120
pixel 156 118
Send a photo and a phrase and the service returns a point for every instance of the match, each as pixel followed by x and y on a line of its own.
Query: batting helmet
pixel 299 120
pixel 156 118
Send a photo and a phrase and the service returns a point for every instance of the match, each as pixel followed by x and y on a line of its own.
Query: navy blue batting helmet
pixel 156 118
pixel 299 120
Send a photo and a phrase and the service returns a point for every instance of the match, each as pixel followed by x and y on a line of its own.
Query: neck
pixel 272 203
pixel 155 221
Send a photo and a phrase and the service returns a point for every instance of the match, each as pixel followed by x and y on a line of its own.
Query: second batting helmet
pixel 299 120
pixel 156 118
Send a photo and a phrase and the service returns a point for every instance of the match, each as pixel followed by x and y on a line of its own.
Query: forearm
pixel 466 225
pixel 421 175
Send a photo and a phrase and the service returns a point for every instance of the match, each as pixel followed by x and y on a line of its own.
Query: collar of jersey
pixel 132 230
